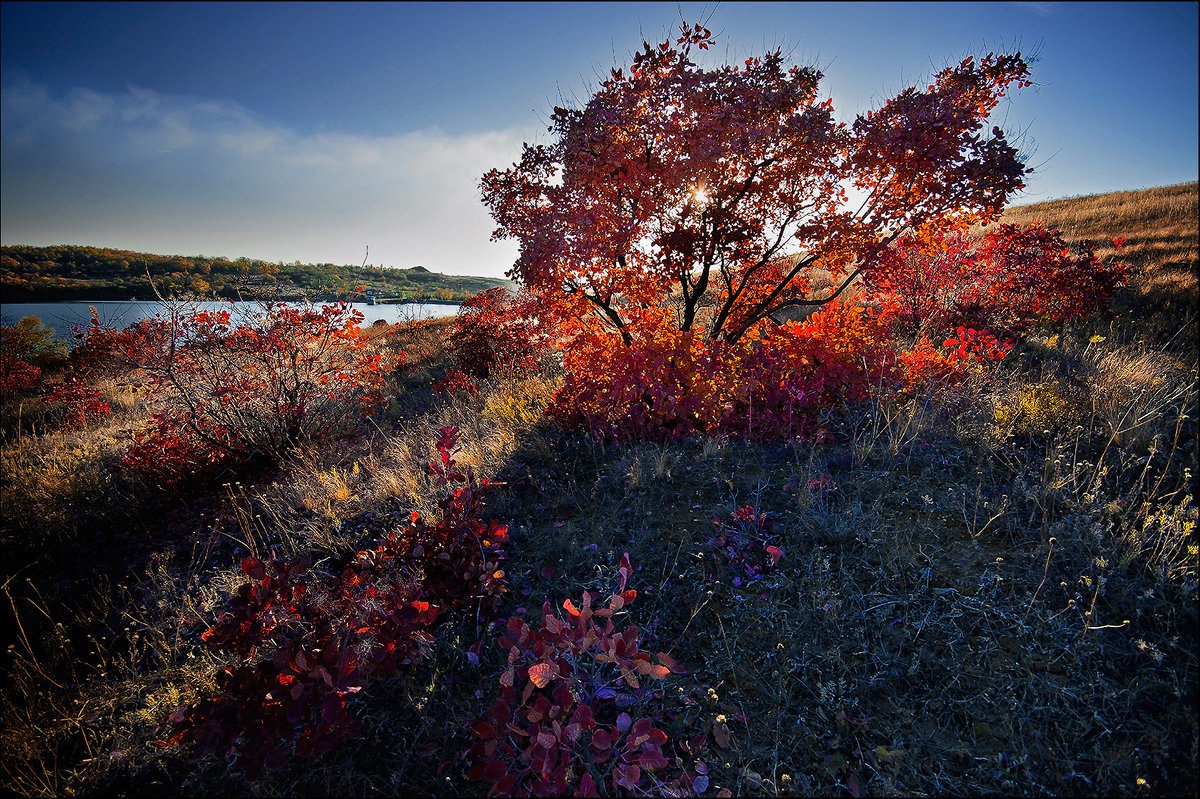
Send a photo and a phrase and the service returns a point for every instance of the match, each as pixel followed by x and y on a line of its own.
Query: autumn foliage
pixel 717 192
pixel 683 212
pixel 496 331
pixel 1006 281
pixel 235 391
pixel 668 237
pixel 304 645
pixel 25 348
pixel 559 727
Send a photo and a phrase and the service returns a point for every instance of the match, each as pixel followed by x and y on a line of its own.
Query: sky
pixel 345 132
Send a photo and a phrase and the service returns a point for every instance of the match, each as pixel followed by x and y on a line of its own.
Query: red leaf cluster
pixel 669 384
pixel 742 547
pixel 81 401
pixel 496 331
pixel 327 639
pixel 559 727
pixel 245 391
pixel 1008 281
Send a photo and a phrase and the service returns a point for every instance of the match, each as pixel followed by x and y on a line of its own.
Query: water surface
pixel 62 316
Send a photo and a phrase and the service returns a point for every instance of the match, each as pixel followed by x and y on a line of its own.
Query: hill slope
pixel 1162 231
pixel 990 591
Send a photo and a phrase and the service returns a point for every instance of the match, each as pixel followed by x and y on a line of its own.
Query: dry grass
pixel 999 585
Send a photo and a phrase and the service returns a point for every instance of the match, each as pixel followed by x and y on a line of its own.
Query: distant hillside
pixel 66 272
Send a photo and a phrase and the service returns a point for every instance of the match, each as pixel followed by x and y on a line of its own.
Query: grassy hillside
pixel 1162 234
pixel 991 592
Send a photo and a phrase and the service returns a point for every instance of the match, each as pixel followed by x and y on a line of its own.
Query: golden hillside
pixel 1162 235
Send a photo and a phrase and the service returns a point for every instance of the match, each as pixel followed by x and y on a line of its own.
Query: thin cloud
pixel 181 173
pixel 1040 9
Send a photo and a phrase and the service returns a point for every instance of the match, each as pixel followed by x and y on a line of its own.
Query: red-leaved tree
pixel 682 210
pixel 710 195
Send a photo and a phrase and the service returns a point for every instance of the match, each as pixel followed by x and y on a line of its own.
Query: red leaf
pixel 626 776
pixel 671 663
pixel 602 740
pixel 540 674
pixel 652 760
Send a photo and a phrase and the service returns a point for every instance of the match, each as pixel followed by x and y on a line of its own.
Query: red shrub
pixel 496 330
pixel 667 384
pixel 82 402
pixel 254 389
pixel 558 725
pixel 17 374
pixel 98 348
pixel 328 639
pixel 456 381
pixel 1009 280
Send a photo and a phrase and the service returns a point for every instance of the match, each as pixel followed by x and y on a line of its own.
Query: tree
pixel 708 196
pixel 33 341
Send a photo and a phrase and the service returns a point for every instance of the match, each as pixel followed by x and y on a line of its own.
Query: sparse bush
pixel 251 390
pixel 456 381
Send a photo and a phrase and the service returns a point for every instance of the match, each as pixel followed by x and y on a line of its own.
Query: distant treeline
pixel 59 273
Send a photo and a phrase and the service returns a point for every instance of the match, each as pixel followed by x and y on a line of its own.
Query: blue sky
pixel 312 131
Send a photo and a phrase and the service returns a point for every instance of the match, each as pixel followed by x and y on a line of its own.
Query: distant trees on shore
pixel 69 272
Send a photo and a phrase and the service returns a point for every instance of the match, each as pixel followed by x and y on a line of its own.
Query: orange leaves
pixel 540 674
pixel 252 388
pixel 668 384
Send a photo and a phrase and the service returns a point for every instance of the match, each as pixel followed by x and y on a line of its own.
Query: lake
pixel 62 316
